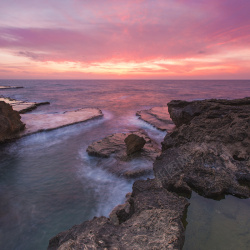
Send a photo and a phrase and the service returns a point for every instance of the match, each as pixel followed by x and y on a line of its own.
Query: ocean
pixel 48 183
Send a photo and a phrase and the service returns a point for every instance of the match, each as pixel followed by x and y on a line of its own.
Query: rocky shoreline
pixel 207 152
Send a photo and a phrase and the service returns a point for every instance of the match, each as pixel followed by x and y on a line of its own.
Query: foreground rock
pixel 158 117
pixel 153 220
pixel 115 146
pixel 10 122
pixel 209 150
pixel 22 106
pixel 44 122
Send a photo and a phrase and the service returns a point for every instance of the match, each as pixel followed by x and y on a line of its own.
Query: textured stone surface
pixel 157 117
pixel 209 150
pixel 10 122
pixel 126 165
pixel 134 143
pixel 151 219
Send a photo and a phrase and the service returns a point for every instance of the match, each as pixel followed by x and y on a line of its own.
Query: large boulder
pixel 134 143
pixel 209 150
pixel 10 122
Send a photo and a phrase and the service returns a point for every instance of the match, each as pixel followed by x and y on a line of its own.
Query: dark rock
pixel 157 117
pixel 152 218
pixel 10 122
pixel 134 143
pixel 209 150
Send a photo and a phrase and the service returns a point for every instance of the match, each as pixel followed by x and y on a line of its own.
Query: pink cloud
pixel 97 31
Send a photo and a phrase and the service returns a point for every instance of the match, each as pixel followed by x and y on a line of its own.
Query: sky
pixel 118 39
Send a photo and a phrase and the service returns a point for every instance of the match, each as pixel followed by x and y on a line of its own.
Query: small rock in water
pixel 134 143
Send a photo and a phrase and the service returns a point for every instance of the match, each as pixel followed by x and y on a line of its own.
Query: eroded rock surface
pixel 115 146
pixel 157 117
pixel 153 219
pixel 209 150
pixel 22 106
pixel 42 122
pixel 10 122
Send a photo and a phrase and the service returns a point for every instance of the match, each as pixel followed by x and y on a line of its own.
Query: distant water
pixel 48 183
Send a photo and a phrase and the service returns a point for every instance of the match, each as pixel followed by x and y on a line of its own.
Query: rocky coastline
pixel 10 122
pixel 207 152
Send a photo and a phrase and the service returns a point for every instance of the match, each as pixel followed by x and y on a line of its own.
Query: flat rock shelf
pixel 44 122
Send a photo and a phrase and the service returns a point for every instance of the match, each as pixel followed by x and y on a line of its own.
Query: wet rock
pixel 209 149
pixel 151 219
pixel 22 106
pixel 134 143
pixel 157 117
pixel 126 165
pixel 44 122
pixel 10 122
pixel 115 145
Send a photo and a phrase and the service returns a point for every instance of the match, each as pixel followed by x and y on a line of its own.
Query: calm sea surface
pixel 48 183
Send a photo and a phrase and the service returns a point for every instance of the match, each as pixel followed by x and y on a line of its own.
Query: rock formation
pixel 157 117
pixel 208 152
pixel 115 146
pixel 10 122
pixel 153 220
pixel 134 143
pixel 44 122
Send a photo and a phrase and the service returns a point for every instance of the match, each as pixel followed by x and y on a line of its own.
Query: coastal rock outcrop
pixel 115 146
pixel 10 122
pixel 209 149
pixel 208 152
pixel 157 117
pixel 153 220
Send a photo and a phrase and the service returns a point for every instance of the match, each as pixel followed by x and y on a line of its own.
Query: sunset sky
pixel 127 39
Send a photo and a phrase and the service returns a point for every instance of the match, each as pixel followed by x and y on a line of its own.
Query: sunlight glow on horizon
pixel 136 39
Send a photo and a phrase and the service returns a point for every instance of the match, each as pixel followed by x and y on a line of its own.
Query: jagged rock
pixel 151 219
pixel 44 122
pixel 10 122
pixel 22 106
pixel 114 145
pixel 209 150
pixel 157 117
pixel 134 143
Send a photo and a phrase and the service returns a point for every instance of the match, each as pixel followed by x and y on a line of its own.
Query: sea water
pixel 48 183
